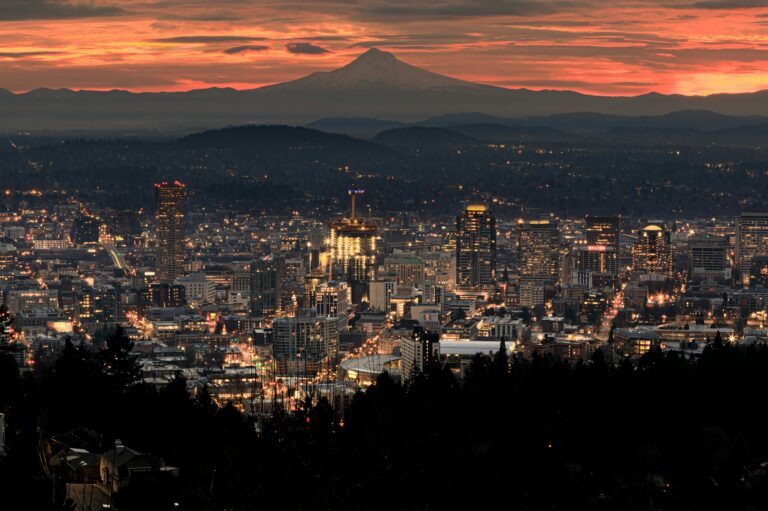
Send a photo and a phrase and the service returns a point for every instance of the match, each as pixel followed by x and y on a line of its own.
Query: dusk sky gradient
pixel 599 47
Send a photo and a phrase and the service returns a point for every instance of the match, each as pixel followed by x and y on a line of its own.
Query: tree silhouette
pixel 121 367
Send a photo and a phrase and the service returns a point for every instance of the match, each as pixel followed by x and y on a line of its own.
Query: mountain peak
pixel 376 55
pixel 377 69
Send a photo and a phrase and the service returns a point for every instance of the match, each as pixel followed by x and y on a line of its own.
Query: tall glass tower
pixel 475 248
pixel 170 199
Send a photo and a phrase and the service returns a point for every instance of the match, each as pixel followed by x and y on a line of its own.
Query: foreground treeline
pixel 666 433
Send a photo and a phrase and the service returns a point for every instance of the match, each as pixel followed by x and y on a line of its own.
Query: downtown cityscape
pixel 272 259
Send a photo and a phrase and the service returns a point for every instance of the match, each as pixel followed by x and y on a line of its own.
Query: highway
pixel 117 258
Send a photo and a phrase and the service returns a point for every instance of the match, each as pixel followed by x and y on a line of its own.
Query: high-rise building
pixel 380 294
pixel 602 231
pixel 475 248
pixel 708 257
pixel 198 289
pixel 418 352
pixel 751 240
pixel 303 342
pixel 164 295
pixel 597 259
pixel 170 198
pixel 353 246
pixel 265 287
pixel 409 269
pixel 652 252
pixel 538 246
pixel 85 229
pixel 332 299
pixel 8 257
pixel 758 272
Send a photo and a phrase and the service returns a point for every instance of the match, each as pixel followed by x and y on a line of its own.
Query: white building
pixel 197 288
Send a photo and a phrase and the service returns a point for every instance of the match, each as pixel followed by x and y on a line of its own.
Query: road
pixel 610 314
pixel 117 258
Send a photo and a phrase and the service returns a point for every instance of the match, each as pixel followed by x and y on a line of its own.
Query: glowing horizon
pixel 630 48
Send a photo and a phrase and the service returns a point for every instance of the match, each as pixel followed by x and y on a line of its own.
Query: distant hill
pixel 499 133
pixel 684 119
pixel 458 119
pixel 491 126
pixel 286 142
pixel 420 137
pixel 361 127
pixel 742 136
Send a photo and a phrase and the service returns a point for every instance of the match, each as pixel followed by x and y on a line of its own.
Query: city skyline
pixel 360 255
pixel 685 47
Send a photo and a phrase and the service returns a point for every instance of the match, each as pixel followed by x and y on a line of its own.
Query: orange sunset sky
pixel 599 47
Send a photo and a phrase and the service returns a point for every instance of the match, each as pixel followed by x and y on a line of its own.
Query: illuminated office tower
pixel 409 269
pixel 266 278
pixel 353 246
pixel 332 301
pixel 751 240
pixel 475 248
pixel 708 257
pixel 597 259
pixel 602 231
pixel 302 343
pixel 652 252
pixel 170 198
pixel 539 246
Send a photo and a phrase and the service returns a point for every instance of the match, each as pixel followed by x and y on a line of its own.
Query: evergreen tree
pixel 718 343
pixel 501 361
pixel 121 367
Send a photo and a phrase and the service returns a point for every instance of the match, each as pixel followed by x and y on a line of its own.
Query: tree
pixel 501 361
pixel 718 343
pixel 120 366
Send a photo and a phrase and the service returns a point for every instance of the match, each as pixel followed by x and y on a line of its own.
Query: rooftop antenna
pixel 353 193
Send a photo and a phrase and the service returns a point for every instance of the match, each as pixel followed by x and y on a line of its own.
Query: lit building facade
pixel 597 259
pixel 539 245
pixel 751 239
pixel 353 247
pixel 302 343
pixel 266 276
pixel 603 231
pixel 475 248
pixel 652 252
pixel 708 257
pixel 170 200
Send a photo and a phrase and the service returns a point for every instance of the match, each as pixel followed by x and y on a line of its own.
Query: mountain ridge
pixel 376 85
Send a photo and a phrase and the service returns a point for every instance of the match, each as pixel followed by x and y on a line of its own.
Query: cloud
pixel 461 9
pixel 208 39
pixel 24 54
pixel 305 49
pixel 246 49
pixel 571 84
pixel 26 10
pixel 727 4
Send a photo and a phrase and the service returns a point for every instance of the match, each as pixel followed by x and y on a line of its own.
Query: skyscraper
pixel 265 287
pixel 538 245
pixel 301 343
pixel 597 259
pixel 170 198
pixel 751 240
pixel 652 252
pixel 475 248
pixel 602 231
pixel 708 257
pixel 353 250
